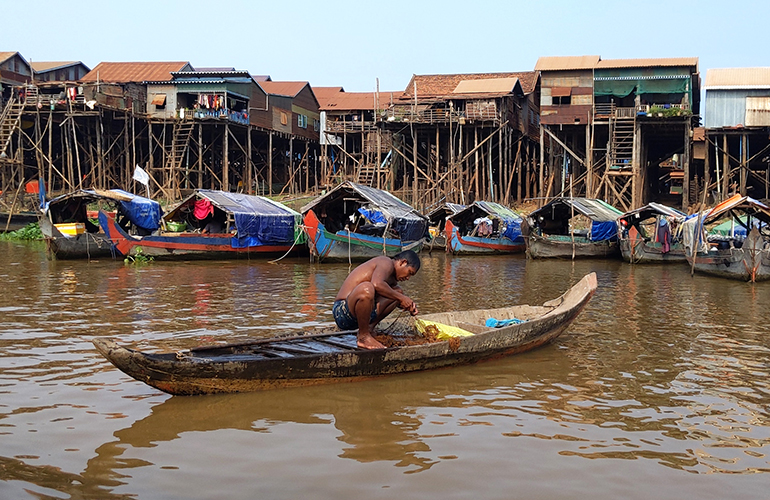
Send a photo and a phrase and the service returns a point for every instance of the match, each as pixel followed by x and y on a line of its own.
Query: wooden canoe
pixel 543 247
pixel 334 357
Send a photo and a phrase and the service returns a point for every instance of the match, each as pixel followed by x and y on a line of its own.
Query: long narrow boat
pixel 484 227
pixel 357 222
pixel 651 234
pixel 243 225
pixel 70 234
pixel 334 357
pixel 741 254
pixel 549 233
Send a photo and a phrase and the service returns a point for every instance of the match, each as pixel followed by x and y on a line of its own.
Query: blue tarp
pixel 258 221
pixel 142 212
pixel 373 216
pixel 601 231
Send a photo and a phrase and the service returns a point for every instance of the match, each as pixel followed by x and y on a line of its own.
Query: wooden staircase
pixel 9 122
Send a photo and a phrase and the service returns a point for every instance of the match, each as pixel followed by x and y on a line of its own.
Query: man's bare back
pixel 371 292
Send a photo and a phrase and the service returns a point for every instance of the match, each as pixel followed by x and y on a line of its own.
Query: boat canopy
pixel 739 214
pixel 510 221
pixel 142 212
pixel 653 210
pixel 376 205
pixel 559 211
pixel 439 214
pixel 258 220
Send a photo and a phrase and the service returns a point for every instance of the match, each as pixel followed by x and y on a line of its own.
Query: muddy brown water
pixel 659 390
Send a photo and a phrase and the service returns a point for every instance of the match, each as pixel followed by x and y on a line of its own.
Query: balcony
pixel 241 117
pixel 350 126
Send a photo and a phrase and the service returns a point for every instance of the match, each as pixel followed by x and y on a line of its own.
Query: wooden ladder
pixel 182 134
pixel 9 122
pixel 622 147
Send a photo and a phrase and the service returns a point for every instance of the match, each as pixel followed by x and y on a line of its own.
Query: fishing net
pixel 402 331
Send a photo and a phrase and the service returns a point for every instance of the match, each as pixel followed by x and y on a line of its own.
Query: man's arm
pixel 381 277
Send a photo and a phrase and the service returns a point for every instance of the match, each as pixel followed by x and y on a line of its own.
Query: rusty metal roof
pixel 288 89
pixel 486 85
pixel 647 63
pixel 352 101
pixel 134 72
pixel 445 85
pixel 737 78
pixel 559 63
pixel 4 56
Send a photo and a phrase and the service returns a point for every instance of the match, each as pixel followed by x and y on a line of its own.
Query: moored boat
pixel 334 357
pixel 741 252
pixel 70 233
pixel 551 231
pixel 211 224
pixel 357 222
pixel 651 233
pixel 437 219
pixel 484 227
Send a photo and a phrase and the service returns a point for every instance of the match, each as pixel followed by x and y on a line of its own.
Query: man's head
pixel 407 263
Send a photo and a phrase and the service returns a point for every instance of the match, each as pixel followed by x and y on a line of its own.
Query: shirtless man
pixel 371 292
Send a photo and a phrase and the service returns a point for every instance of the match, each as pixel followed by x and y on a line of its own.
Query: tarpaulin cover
pixel 601 231
pixel 374 216
pixel 510 221
pixel 142 212
pixel 404 220
pixel 258 220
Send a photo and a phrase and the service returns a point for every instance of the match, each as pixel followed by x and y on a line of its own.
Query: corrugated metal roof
pixel 134 72
pixel 561 209
pixel 262 78
pixel 647 63
pixel 41 66
pixel 444 85
pixel 4 56
pixel 737 78
pixel 351 101
pixel 557 63
pixel 288 89
pixel 489 85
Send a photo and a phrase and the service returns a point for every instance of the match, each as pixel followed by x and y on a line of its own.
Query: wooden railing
pixel 350 126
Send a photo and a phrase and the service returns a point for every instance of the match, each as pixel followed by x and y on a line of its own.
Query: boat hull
pixel 642 252
pixel 234 368
pixel 751 262
pixel 183 245
pixel 344 245
pixel 82 246
pixel 474 245
pixel 539 247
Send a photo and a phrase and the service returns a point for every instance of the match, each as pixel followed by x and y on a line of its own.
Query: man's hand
pixel 408 304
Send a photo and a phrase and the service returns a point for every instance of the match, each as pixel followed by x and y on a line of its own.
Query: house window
pixel 316 125
pixel 284 118
pixel 562 100
pixel 302 121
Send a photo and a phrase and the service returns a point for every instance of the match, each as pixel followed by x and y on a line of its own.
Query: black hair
pixel 411 258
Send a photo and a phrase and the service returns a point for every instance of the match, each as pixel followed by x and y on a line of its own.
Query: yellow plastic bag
pixel 445 332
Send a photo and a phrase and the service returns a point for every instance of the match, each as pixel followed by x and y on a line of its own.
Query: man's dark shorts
pixel 343 317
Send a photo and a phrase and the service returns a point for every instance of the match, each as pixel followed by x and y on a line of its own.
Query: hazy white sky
pixel 353 43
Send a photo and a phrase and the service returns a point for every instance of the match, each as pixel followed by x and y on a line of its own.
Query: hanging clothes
pixel 203 208
pixel 664 235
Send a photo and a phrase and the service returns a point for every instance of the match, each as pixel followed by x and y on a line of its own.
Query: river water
pixel 660 389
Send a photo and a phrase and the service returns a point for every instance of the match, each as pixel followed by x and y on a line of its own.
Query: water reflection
pixel 663 371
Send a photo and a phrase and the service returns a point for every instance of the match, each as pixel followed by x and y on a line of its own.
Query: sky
pixel 356 44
